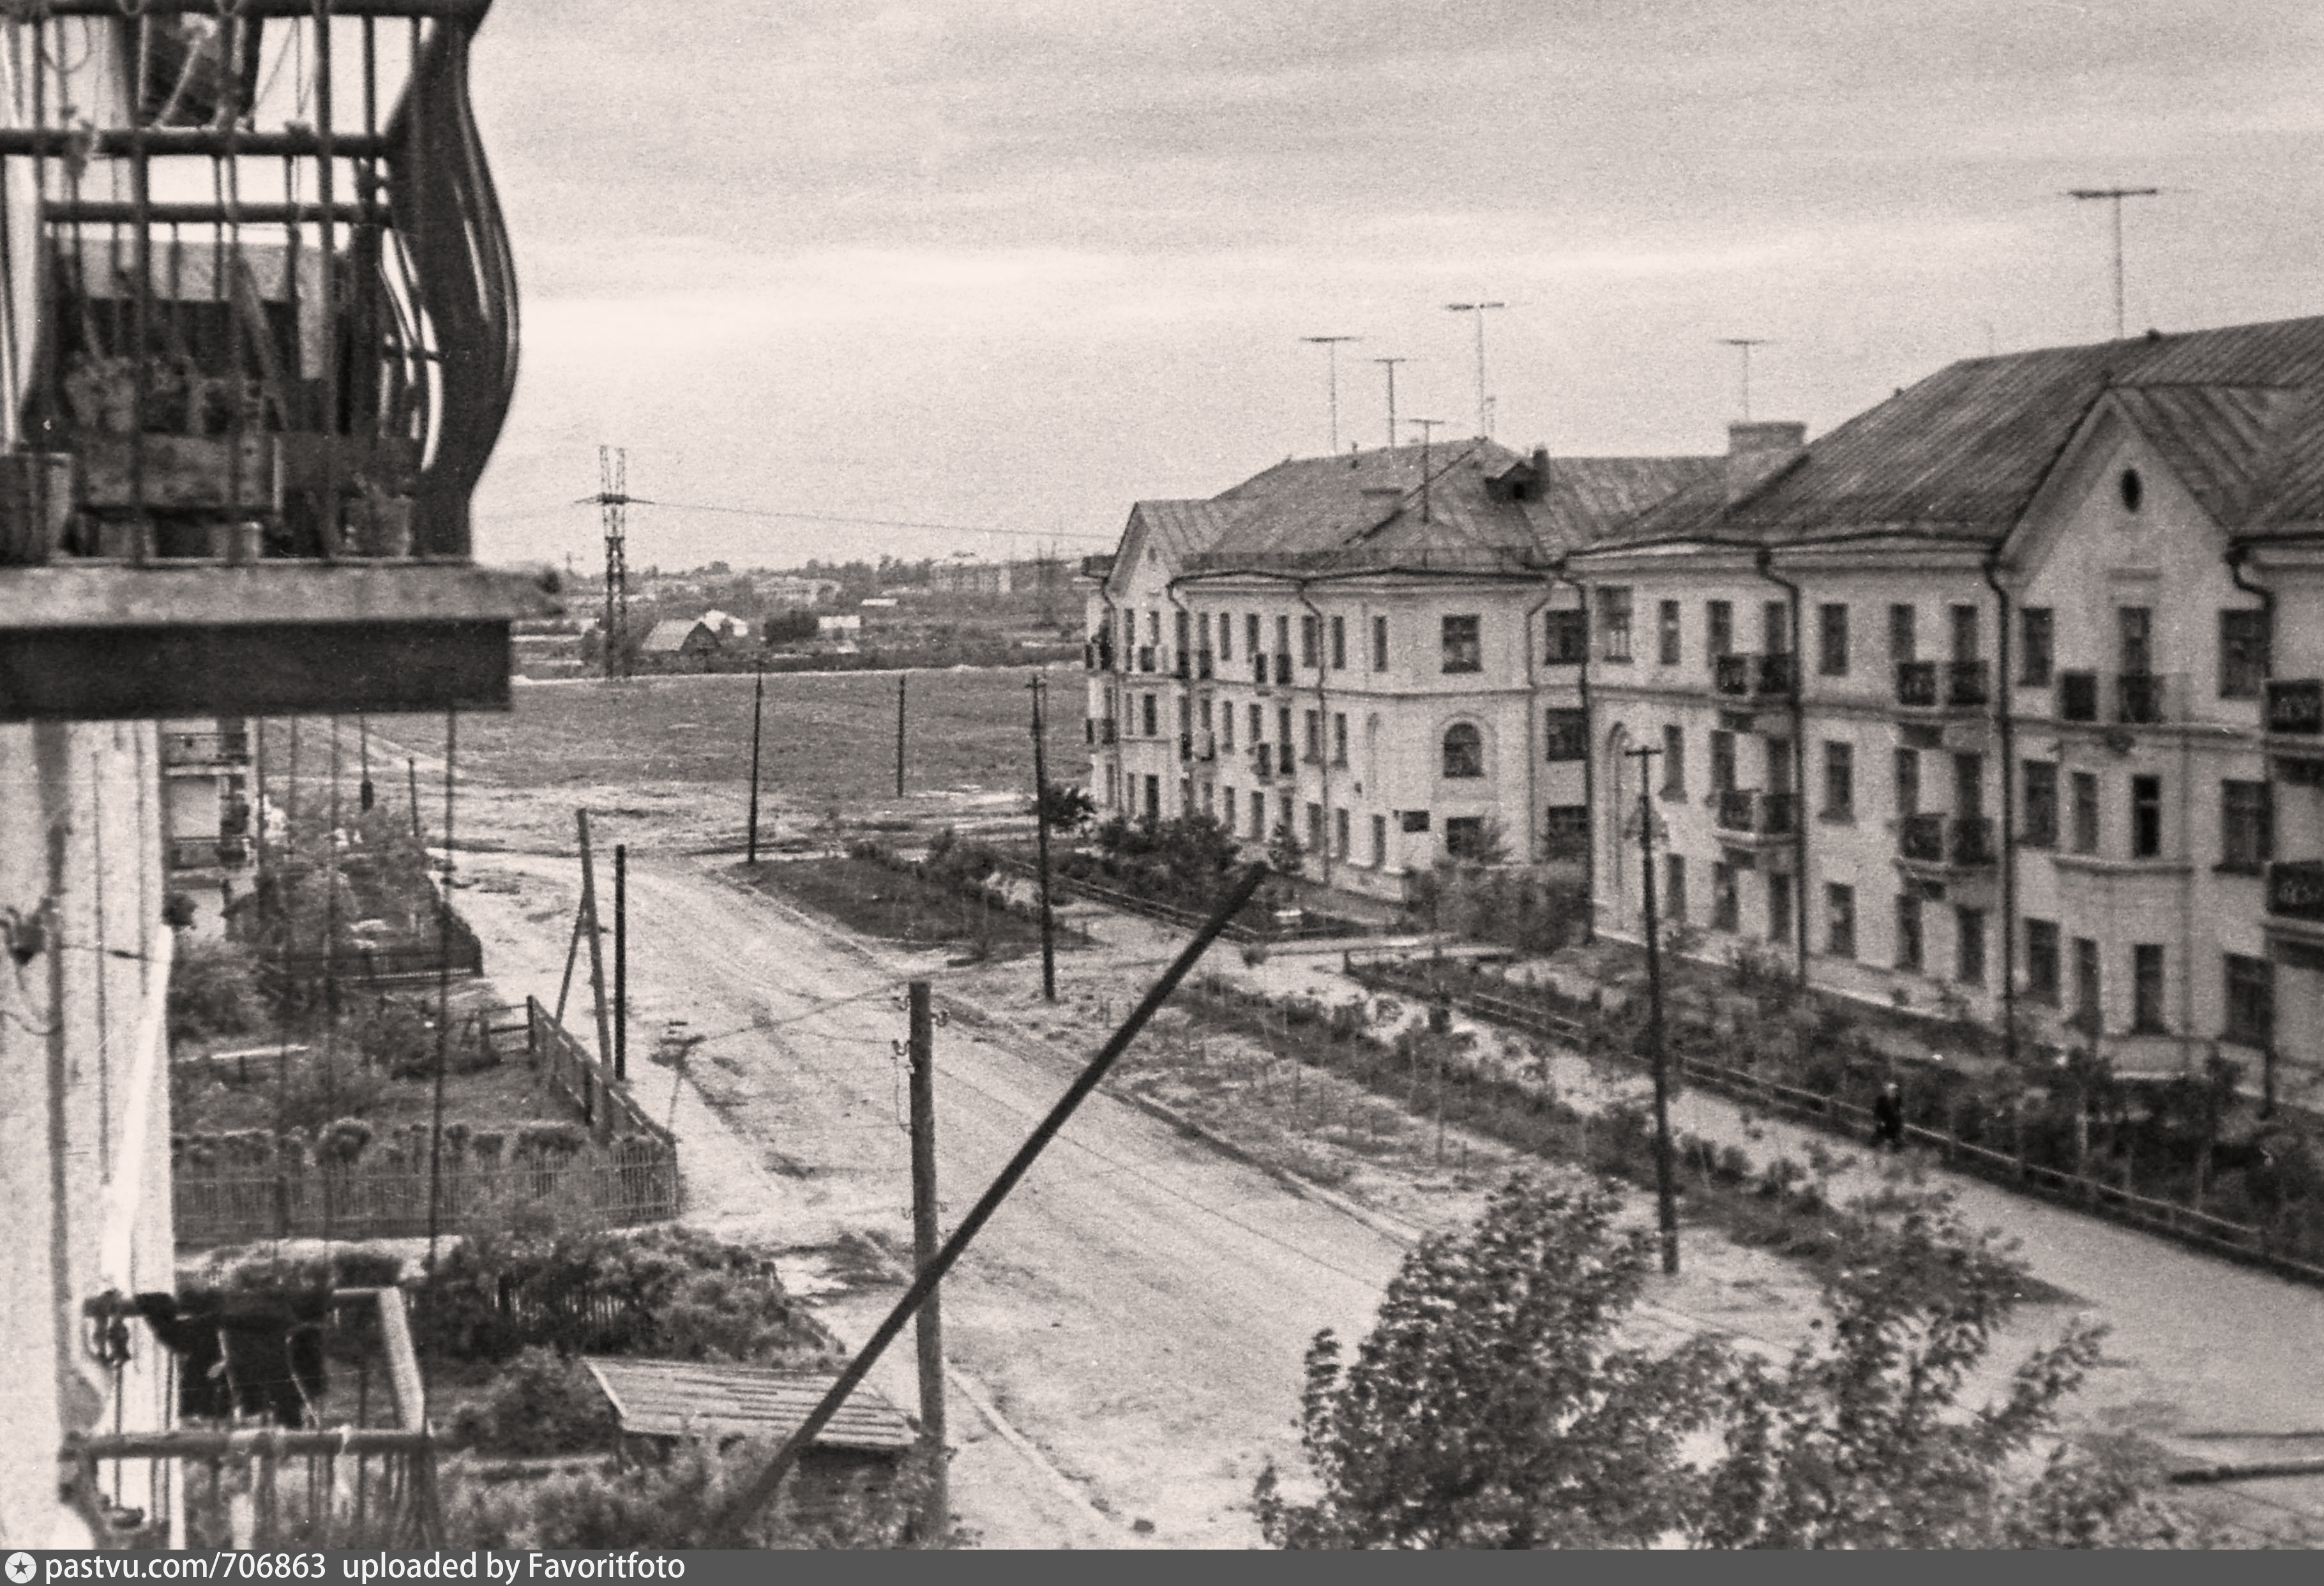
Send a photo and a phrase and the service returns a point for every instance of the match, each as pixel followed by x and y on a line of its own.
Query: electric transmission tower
pixel 612 495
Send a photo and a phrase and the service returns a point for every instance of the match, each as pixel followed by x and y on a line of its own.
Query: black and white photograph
pixel 995 775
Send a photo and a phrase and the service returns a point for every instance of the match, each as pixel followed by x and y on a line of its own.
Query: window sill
pixel 1837 818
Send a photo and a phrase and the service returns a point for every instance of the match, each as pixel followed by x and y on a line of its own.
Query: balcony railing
pixel 204 747
pixel 1774 672
pixel 1969 683
pixel 208 852
pixel 1762 815
pixel 2077 696
pixel 1916 685
pixel 1922 839
pixel 1203 659
pixel 1972 841
pixel 2139 698
pixel 2295 889
pixel 2295 705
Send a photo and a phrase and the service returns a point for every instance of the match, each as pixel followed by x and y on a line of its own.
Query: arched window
pixel 1464 750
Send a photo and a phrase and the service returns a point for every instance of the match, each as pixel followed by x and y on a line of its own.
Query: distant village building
pixel 786 593
pixel 724 628
pixel 971 577
pixel 851 622
pixel 680 643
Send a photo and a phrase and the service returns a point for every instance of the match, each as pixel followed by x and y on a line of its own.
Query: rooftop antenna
pixel 1390 364
pixel 1428 427
pixel 1484 410
pixel 1744 344
pixel 1331 346
pixel 2116 196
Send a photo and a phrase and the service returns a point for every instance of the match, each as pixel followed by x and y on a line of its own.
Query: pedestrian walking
pixel 1888 1118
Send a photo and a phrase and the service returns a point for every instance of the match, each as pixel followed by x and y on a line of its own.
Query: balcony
pixel 1747 677
pixel 2295 890
pixel 1972 842
pixel 2296 705
pixel 1259 670
pixel 2139 698
pixel 221 748
pixel 1145 657
pixel 1916 685
pixel 1969 683
pixel 1921 838
pixel 1203 659
pixel 1759 815
pixel 2077 696
pixel 1109 731
pixel 1282 671
pixel 211 852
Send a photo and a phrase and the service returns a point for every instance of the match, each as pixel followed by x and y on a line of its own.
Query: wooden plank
pixel 188 470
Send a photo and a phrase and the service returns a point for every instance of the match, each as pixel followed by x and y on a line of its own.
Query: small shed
pixel 662 1402
pixel 680 643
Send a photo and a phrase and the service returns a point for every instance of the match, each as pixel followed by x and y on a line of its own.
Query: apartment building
pixel 207 816
pixel 1969 704
pixel 1374 652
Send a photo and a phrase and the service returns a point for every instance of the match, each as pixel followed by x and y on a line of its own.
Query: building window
pixel 1338 737
pixel 1968 936
pixel 1464 750
pixel 1725 910
pixel 2086 812
pixel 1718 627
pixel 1227 807
pixel 1154 627
pixel 1315 829
pixel 1464 837
pixel 1282 736
pixel 1776 628
pixel 1250 634
pixel 1673 899
pixel 1340 834
pixel 2247 827
pixel 1838 781
pixel 1147 715
pixel 2041 803
pixel 1154 798
pixel 1415 820
pixel 1908 782
pixel 2134 635
pixel 2145 818
pixel 1566 637
pixel 1839 921
pixel 1257 815
pixel 1779 909
pixel 2037 630
pixel 1210 798
pixel 1969 784
pixel 2251 1002
pixel 1566 734
pixel 1314 725
pixel 1566 832
pixel 2244 646
pixel 1722 762
pixel 1965 632
pixel 1206 712
pixel 2041 962
pixel 1902 643
pixel 1832 641
pixel 1226 728
pixel 1666 639
pixel 1310 644
pixel 2146 988
pixel 1912 946
pixel 1463 651
pixel 1614 621
pixel 1380 644
pixel 2089 1012
pixel 1339 644
pixel 1380 842
pixel 1674 763
pixel 1226 636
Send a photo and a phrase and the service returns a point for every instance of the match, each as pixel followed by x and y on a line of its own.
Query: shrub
pixel 214 992
pixel 540 1403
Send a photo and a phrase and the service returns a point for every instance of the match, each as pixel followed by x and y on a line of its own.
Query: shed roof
pixel 669 635
pixel 676 1398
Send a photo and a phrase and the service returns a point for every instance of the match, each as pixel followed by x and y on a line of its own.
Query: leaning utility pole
pixel 1041 844
pixel 758 709
pixel 1666 1193
pixel 2116 196
pixel 588 924
pixel 926 1237
pixel 621 961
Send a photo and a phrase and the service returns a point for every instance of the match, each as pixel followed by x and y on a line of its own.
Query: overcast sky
pixel 1015 265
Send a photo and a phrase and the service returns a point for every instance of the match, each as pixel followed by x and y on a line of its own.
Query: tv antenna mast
pixel 1484 408
pixel 1331 346
pixel 2116 196
pixel 613 496
pixel 1390 364
pixel 1744 344
pixel 1428 427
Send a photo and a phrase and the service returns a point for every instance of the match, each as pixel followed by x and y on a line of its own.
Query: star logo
pixel 21 1568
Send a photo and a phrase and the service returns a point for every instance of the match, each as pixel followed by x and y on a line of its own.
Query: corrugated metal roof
pixel 676 1398
pixel 1960 455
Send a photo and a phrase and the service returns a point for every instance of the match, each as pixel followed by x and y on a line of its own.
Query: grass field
pixel 829 737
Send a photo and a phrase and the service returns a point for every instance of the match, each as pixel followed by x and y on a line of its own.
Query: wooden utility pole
pixel 412 772
pixel 621 961
pixel 1041 846
pixel 1665 1192
pixel 900 679
pixel 366 794
pixel 926 1236
pixel 588 927
pixel 758 709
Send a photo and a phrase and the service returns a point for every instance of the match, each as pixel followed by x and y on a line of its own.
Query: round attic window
pixel 2134 489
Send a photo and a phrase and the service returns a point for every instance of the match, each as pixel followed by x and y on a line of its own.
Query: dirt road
pixel 1138 1311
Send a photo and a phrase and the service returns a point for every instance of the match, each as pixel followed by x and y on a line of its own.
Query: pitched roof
pixel 675 1399
pixel 668 635
pixel 1961 454
pixel 1484 508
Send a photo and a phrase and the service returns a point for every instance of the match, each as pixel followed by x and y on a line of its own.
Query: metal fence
pixel 391 1201
pixel 1563 1019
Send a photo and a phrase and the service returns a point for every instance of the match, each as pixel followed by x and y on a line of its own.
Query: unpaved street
pixel 1139 1310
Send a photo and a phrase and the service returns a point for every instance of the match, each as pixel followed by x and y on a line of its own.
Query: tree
pixel 1491 1407
pixel 1285 852
pixel 1068 807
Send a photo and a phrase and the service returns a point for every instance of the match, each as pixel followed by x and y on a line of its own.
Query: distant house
pixel 725 627
pixel 850 623
pixel 879 603
pixel 679 644
pixel 784 593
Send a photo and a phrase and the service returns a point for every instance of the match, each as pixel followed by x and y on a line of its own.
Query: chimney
pixel 1758 450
